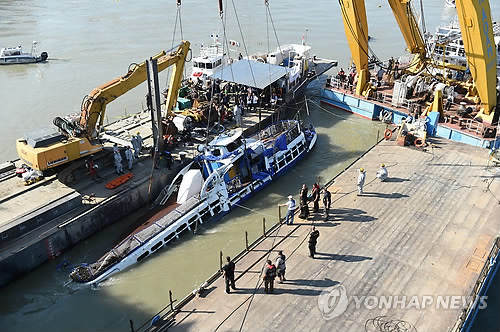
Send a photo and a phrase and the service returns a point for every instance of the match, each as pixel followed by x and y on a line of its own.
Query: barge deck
pixel 426 231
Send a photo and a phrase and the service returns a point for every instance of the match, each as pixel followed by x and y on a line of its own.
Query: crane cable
pixel 243 41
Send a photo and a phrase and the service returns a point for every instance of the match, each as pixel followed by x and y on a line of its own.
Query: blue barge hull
pixel 369 109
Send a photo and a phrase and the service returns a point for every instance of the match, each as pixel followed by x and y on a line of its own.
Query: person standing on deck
pixel 115 148
pixel 380 76
pixel 313 240
pixel 389 66
pixel 315 192
pixel 396 69
pixel 304 208
pixel 228 273
pixel 92 167
pixel 291 210
pixel 249 102
pixel 361 180
pixel 138 144
pixel 130 157
pixel 327 202
pixel 449 100
pixel 281 266
pixel 118 163
pixel 255 101
pixel 237 115
pixel 382 173
pixel 269 276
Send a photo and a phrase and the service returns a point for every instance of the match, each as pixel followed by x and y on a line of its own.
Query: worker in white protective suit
pixel 130 157
pixel 118 163
pixel 237 115
pixel 382 173
pixel 361 180
pixel 137 144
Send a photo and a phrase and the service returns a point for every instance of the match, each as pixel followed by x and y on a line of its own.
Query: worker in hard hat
pixel 361 180
pixel 382 173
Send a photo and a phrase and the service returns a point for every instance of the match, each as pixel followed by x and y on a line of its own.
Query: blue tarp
pixel 268 152
pixel 281 142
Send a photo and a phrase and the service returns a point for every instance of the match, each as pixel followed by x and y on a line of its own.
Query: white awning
pixel 251 73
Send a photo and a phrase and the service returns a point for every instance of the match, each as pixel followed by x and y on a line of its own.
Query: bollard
pixel 378 135
pixel 220 261
pixel 264 226
pixel 246 240
pixel 131 325
pixel 171 301
pixel 279 214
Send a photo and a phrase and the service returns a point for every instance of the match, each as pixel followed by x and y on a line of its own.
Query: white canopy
pixel 251 73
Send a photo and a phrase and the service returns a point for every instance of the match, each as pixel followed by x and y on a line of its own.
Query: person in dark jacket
pixel 315 193
pixel 228 272
pixel 269 276
pixel 313 240
pixel 304 208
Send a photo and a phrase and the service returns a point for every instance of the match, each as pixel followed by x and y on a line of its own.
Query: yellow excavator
pixel 477 33
pixel 76 139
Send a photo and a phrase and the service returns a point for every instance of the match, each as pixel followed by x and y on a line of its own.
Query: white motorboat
pixel 15 55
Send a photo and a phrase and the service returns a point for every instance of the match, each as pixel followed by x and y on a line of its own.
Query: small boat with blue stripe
pixel 228 171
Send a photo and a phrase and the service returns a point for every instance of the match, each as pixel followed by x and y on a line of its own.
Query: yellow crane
pixel 80 139
pixel 477 33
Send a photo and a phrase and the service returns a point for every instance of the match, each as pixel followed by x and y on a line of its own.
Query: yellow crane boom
pixel 356 30
pixel 477 33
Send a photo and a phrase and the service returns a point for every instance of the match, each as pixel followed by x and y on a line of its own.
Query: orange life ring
pixel 419 142
pixel 387 134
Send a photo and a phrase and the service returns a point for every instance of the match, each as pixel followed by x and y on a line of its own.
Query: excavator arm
pixel 477 34
pixel 356 30
pixel 94 105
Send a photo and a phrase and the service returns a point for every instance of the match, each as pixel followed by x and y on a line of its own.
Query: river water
pixel 89 43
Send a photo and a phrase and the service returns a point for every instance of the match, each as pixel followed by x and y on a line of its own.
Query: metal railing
pixel 476 290
pixel 385 98
pixel 165 317
pixel 474 126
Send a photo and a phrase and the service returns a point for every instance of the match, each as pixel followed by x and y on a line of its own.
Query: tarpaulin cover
pixel 251 73
pixel 281 142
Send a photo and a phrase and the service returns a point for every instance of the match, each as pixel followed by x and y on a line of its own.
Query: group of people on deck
pixel 278 268
pixel 231 100
pixel 304 199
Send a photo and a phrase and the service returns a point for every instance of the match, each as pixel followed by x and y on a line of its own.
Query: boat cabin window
pixel 209 65
pixel 232 146
pixel 219 62
pixel 195 64
pixel 201 65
